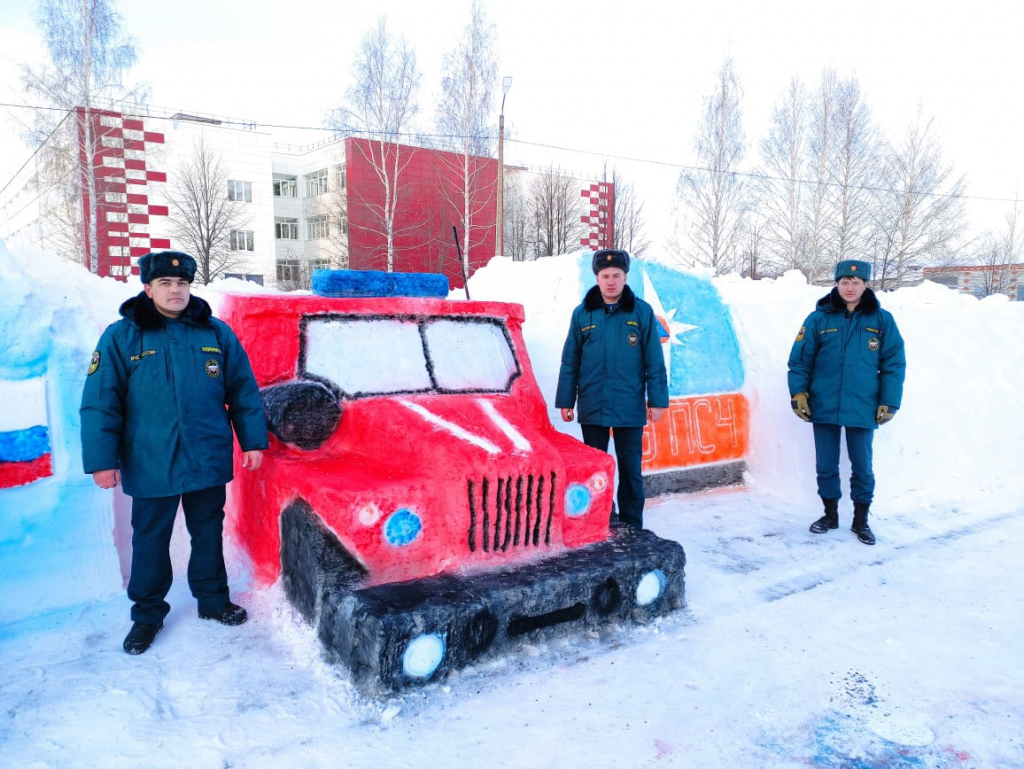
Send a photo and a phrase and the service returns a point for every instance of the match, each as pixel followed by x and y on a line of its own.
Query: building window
pixel 316 183
pixel 285 186
pixel 317 228
pixel 240 192
pixel 340 176
pixel 241 240
pixel 286 229
pixel 289 271
pixel 251 278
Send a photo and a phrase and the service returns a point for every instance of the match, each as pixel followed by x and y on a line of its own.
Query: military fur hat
pixel 166 264
pixel 852 268
pixel 610 257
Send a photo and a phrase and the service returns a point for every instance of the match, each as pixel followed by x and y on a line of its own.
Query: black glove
pixel 799 405
pixel 885 413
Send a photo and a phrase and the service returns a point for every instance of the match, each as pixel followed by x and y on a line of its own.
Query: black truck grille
pixel 514 511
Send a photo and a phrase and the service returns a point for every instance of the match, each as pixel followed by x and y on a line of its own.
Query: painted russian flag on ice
pixel 24 432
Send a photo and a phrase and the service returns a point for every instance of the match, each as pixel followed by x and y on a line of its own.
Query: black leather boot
pixel 830 520
pixel 860 523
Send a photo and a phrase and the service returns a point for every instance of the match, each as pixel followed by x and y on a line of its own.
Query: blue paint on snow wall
pixel 704 359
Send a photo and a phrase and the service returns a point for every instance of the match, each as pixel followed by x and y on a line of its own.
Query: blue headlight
pixel 402 527
pixel 577 500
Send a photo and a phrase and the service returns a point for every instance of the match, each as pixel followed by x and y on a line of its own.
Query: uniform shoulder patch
pixel 94 363
pixel 800 333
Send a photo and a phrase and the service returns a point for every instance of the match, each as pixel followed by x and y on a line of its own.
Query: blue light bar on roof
pixel 356 283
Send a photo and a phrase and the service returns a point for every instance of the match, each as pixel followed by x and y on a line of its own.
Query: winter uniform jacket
pixel 848 363
pixel 155 396
pixel 609 362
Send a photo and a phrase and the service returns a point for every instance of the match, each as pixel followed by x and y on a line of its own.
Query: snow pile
pixel 794 650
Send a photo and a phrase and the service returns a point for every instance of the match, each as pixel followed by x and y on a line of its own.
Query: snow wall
pixel 64 542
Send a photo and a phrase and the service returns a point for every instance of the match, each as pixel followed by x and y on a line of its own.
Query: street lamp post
pixel 499 240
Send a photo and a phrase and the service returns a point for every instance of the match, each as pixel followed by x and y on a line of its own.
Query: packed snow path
pixel 795 649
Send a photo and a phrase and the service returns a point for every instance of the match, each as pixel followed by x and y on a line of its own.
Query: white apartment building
pixel 290 198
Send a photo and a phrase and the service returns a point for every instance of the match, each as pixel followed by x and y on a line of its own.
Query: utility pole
pixel 499 240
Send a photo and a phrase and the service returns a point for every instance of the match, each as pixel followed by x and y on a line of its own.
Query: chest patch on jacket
pixel 95 362
pixel 212 368
pixel 873 344
pixel 141 355
pixel 211 349
pixel 632 338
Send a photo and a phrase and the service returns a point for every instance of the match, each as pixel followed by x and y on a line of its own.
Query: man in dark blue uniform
pixel 846 371
pixel 165 387
pixel 613 371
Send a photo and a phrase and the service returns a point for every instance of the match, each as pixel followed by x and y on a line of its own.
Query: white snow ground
pixel 794 649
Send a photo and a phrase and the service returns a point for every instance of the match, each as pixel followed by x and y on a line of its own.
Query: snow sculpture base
pixel 406 634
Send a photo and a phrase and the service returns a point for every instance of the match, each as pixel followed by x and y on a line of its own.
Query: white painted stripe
pixel 454 429
pixel 517 438
pixel 22 404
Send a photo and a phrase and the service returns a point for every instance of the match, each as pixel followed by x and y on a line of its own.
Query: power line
pixel 34 153
pixel 252 125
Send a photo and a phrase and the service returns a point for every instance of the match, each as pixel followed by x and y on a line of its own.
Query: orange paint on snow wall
pixel 698 430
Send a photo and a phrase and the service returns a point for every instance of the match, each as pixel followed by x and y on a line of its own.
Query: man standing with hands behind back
pixel 613 371
pixel 165 387
pixel 846 372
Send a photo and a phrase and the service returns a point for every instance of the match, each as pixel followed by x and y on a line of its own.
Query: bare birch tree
pixel 202 217
pixel 468 75
pixel 853 172
pixel 819 148
pixel 713 194
pixel 1001 252
pixel 517 218
pixel 89 59
pixel 557 208
pixel 628 222
pixel 784 194
pixel 380 106
pixel 921 216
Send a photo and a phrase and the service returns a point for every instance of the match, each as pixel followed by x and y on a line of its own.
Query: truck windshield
pixel 381 356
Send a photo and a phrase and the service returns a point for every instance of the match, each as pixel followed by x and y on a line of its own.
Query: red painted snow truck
pixel 416 501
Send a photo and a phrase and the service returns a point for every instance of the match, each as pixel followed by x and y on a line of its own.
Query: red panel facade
pixel 600 220
pixel 429 204
pixel 118 213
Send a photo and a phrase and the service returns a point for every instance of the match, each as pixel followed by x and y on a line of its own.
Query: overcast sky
pixel 611 80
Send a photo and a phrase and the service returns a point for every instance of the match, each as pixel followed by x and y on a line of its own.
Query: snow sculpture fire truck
pixel 420 508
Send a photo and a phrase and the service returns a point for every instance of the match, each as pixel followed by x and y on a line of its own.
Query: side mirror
pixel 301 412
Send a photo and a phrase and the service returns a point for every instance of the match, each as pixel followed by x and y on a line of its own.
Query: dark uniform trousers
pixel 629 444
pixel 858 447
pixel 152 525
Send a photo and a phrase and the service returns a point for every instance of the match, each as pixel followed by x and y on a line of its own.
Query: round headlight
pixel 650 587
pixel 577 500
pixel 402 527
pixel 423 655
